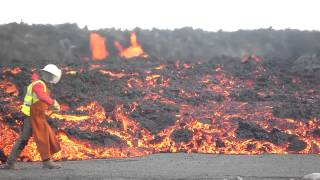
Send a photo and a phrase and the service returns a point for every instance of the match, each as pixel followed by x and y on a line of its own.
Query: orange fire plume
pixel 134 50
pixel 98 47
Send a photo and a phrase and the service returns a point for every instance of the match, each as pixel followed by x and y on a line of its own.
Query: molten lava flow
pixel 9 87
pixel 13 71
pixel 98 47
pixel 135 50
pixel 112 74
pixel 204 111
pixel 160 67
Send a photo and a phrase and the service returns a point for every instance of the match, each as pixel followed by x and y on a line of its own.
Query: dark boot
pixel 8 166
pixel 49 164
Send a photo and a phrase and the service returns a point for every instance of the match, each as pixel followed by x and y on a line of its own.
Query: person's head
pixel 51 73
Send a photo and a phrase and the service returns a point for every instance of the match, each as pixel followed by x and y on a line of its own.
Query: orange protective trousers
pixel 44 136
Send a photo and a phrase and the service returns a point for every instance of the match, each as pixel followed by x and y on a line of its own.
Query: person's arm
pixel 38 89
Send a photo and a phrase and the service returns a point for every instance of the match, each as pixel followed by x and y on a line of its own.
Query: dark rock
pixel 245 95
pixel 298 110
pixel 3 108
pixel 109 106
pixel 316 133
pixel 220 143
pixel 262 82
pixel 72 131
pixel 261 135
pixel 250 147
pixel 18 116
pixel 99 138
pixel 248 125
pixel 315 149
pixel 53 123
pixel 205 97
pixel 236 119
pixel 297 145
pixel 157 121
pixel 244 134
pixel 132 94
pixel 9 120
pixel 205 121
pixel 155 116
pixel 308 66
pixel 278 138
pixel 156 140
pixel 251 130
pixel 181 135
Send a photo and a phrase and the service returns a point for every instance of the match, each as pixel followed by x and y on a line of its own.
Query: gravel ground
pixel 176 166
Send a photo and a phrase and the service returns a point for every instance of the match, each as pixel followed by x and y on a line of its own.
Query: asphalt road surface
pixel 176 166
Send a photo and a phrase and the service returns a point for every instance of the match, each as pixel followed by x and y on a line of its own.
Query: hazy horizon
pixel 227 15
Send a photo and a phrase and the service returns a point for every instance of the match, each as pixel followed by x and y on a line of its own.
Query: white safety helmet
pixel 55 71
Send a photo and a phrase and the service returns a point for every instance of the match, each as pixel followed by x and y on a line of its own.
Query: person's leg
pixel 44 136
pixel 19 145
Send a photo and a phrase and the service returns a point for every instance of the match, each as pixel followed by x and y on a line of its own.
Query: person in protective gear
pixel 36 102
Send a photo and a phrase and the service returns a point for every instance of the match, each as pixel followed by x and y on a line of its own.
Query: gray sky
pixel 228 15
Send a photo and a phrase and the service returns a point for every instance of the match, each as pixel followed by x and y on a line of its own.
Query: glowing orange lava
pixel 98 47
pixel 134 50
pixel 212 124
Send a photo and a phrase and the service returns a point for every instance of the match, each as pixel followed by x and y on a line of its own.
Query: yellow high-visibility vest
pixel 31 97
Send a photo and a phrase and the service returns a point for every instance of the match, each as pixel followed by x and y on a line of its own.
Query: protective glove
pixel 56 106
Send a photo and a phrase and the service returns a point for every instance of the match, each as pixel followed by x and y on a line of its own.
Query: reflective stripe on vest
pixel 31 97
